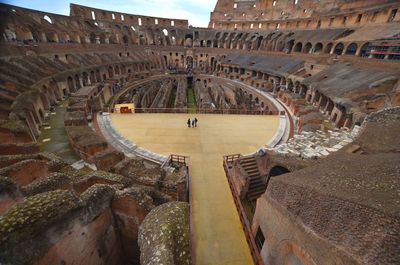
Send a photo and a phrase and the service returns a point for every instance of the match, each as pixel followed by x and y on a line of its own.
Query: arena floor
pixel 218 235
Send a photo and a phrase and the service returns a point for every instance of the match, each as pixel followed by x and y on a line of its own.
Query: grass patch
pixel 191 101
pixel 326 125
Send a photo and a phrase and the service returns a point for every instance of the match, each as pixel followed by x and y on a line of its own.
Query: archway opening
pixel 351 49
pixel 307 47
pixel 328 48
pixel 364 51
pixel 278 170
pixel 318 47
pixel 339 49
pixel 298 47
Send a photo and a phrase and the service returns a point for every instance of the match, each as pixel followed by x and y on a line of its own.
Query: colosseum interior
pixel 294 160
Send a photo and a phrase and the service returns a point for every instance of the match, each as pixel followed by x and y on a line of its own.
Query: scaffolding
pixel 388 48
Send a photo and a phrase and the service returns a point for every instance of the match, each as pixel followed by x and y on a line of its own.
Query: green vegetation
pixel 14 125
pixel 191 101
pixel 59 143
pixel 326 125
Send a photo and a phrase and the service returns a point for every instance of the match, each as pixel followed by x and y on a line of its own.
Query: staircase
pixel 256 184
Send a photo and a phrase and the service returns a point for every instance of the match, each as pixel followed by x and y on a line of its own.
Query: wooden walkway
pixel 217 234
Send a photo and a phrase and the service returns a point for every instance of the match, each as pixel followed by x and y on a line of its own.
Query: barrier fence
pixel 202 111
pixel 242 215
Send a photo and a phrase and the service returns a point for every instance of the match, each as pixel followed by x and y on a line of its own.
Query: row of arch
pixel 338 48
pixel 123 34
pixel 52 91
pixel 336 112
pixel 277 41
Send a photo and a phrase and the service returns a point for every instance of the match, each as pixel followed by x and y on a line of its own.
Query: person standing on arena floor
pixel 195 122
pixel 188 122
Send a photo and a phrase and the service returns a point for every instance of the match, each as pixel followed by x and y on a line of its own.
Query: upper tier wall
pixel 302 14
pixel 100 14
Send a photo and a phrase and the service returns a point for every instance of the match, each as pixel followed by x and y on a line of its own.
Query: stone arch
pixel 328 48
pixel 363 52
pixel 307 47
pixel 64 37
pixel 125 39
pixel 92 77
pixel 116 70
pixel 55 89
pixel 23 34
pixel 113 39
pixel 188 40
pixel 339 48
pixel 44 96
pixel 351 49
pixel 70 83
pixel 110 71
pixel 85 79
pixel 98 76
pixel 280 46
pixel 289 46
pixel 318 47
pixel 298 47
pixel 258 42
pixel 76 38
pixel 289 85
pixel 92 37
pixel 77 82
pixel 278 170
pixel 52 37
pixel 123 69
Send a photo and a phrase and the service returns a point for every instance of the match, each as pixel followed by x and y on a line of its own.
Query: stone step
pixel 256 184
pixel 247 169
pixel 254 175
pixel 254 196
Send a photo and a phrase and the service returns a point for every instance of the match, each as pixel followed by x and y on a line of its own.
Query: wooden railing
pixel 231 158
pixel 242 215
pixel 180 159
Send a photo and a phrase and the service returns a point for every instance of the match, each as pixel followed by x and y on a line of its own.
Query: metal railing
pixel 201 111
pixel 242 215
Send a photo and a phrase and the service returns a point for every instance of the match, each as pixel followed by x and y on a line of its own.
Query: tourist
pixel 188 123
pixel 195 122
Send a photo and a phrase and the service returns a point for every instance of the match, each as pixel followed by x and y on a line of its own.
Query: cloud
pixel 197 12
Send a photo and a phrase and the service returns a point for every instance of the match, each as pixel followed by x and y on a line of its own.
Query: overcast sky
pixel 196 11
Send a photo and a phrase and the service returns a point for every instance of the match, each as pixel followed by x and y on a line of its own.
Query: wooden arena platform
pixel 217 233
